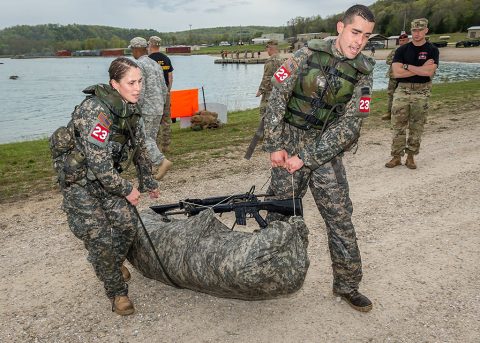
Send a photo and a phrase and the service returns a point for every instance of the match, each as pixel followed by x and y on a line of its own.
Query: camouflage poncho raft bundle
pixel 202 254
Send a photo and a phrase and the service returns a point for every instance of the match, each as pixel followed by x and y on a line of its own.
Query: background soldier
pixel 392 82
pixel 271 65
pixel 314 114
pixel 414 65
pixel 165 132
pixel 152 101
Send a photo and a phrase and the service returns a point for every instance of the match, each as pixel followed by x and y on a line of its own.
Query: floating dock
pixel 240 60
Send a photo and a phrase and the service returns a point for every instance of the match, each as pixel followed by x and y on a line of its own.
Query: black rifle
pixel 242 204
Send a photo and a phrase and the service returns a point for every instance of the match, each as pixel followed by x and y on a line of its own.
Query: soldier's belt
pixel 415 86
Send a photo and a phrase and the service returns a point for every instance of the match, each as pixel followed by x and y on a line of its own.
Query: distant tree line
pixel 49 38
pixel 444 16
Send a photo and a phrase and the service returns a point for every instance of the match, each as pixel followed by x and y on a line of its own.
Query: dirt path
pixel 418 232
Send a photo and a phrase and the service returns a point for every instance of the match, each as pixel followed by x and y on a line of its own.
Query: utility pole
pixel 190 34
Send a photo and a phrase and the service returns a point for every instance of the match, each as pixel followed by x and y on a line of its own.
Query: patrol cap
pixel 419 24
pixel 155 41
pixel 271 42
pixel 138 42
pixel 403 36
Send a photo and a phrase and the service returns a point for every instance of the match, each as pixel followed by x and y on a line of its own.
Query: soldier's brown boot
pixel 410 163
pixel 387 116
pixel 125 273
pixel 356 300
pixel 162 169
pixel 395 161
pixel 122 305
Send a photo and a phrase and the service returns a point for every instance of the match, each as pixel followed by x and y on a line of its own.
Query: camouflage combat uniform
pixel 271 65
pixel 93 190
pixel 392 82
pixel 321 153
pixel 410 100
pixel 152 101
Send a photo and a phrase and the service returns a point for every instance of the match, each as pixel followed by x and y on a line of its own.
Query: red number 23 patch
pixel 364 104
pixel 100 133
pixel 281 74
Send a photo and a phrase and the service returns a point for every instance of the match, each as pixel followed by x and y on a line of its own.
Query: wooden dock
pixel 240 61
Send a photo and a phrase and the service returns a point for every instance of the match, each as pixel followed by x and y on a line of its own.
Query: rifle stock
pixel 255 139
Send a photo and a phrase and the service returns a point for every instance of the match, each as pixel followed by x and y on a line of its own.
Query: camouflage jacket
pixel 271 65
pixel 95 124
pixel 311 146
pixel 154 88
pixel 389 61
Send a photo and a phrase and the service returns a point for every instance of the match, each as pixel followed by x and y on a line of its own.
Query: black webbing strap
pixel 309 118
pixel 317 103
pixel 333 71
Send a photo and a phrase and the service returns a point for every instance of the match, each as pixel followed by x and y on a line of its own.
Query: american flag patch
pixel 291 64
pixel 103 119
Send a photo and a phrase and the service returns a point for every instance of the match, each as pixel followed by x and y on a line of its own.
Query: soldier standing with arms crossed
pixel 414 65
pixel 314 115
pixel 392 82
pixel 165 133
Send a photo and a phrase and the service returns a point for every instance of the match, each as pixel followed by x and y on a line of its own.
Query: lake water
pixel 48 89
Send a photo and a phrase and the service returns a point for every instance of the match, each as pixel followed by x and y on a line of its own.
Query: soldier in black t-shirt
pixel 164 134
pixel 414 65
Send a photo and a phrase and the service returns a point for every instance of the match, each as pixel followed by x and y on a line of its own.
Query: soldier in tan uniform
pixel 392 82
pixel 271 65
pixel 414 66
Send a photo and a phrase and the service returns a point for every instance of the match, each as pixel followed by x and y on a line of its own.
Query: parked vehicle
pixel 224 43
pixel 440 44
pixel 467 43
pixel 375 44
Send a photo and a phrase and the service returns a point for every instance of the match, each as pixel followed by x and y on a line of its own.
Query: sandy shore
pixel 447 54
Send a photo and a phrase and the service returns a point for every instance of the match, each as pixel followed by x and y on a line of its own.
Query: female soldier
pixel 103 137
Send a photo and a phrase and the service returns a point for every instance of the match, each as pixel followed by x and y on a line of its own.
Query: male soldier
pixel 152 100
pixel 414 65
pixel 165 132
pixel 271 65
pixel 314 115
pixel 392 82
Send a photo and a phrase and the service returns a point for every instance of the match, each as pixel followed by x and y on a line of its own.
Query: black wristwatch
pixel 405 66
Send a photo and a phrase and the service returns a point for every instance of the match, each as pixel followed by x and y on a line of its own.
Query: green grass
pixel 454 37
pixel 26 167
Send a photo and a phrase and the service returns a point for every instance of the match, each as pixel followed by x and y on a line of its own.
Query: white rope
pixel 204 206
pixel 293 197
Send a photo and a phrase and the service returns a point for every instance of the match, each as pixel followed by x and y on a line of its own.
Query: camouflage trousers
pixel 409 112
pixel 164 137
pixel 107 225
pixel 152 125
pixel 392 85
pixel 329 188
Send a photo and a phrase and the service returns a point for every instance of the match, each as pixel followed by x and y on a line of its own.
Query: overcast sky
pixel 166 15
